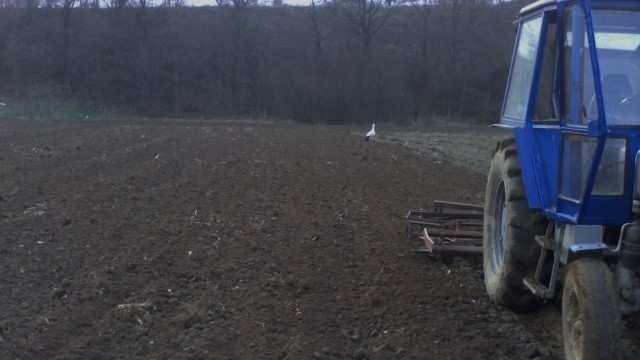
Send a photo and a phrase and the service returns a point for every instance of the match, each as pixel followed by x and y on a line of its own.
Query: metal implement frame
pixel 451 227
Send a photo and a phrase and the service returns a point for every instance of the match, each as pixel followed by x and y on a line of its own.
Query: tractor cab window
pixel 579 87
pixel 545 110
pixel 581 104
pixel 521 76
pixel 617 38
pixel 578 153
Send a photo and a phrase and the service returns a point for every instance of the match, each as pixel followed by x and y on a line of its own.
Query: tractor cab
pixel 573 100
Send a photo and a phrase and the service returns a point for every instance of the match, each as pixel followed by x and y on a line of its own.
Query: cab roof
pixel 537 5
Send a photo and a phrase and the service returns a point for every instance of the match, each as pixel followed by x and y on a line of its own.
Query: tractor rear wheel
pixel 591 321
pixel 509 247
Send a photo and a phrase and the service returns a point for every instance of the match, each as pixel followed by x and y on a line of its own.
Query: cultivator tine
pixel 465 234
pixel 431 247
pixel 445 231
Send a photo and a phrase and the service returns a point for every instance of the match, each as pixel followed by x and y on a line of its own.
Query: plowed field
pixel 242 241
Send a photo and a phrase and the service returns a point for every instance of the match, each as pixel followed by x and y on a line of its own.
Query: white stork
pixel 371 134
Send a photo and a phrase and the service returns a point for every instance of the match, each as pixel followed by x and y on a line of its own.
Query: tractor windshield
pixel 617 37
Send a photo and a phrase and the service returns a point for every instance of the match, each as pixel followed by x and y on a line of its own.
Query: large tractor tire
pixel 509 247
pixel 591 321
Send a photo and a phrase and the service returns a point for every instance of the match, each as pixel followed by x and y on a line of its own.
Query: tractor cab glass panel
pixel 610 176
pixel 545 110
pixel 577 158
pixel 522 70
pixel 617 37
pixel 579 88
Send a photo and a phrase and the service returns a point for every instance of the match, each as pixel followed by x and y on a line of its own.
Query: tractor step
pixel 450 227
pixel 537 288
pixel 546 242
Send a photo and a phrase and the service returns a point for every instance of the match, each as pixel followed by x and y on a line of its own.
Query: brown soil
pixel 237 241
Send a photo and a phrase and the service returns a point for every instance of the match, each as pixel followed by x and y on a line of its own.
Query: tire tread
pixel 505 285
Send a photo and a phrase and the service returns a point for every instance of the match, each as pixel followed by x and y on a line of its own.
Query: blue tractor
pixel 563 194
pixel 562 202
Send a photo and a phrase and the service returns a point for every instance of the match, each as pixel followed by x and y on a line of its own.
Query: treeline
pixel 349 61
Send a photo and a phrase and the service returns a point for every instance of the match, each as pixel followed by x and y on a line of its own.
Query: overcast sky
pixel 212 2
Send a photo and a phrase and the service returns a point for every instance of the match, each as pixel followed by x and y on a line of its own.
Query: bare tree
pixel 240 29
pixel 174 3
pixel 455 8
pixel 242 5
pixel 89 4
pixel 67 7
pixel 367 17
pixel 356 61
pixel 25 4
pixel 318 38
pixel 420 57
pixel 115 4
